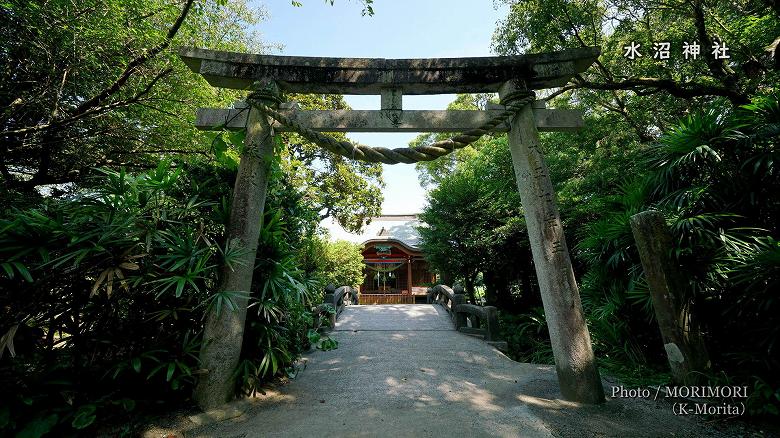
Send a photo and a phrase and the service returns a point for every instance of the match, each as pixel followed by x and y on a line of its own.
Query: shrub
pixel 104 295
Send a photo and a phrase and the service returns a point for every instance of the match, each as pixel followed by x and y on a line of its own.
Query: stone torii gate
pixel 513 77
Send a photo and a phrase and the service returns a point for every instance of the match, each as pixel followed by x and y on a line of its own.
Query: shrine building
pixel 395 269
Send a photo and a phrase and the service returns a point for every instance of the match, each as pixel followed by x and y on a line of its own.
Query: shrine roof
pixel 388 228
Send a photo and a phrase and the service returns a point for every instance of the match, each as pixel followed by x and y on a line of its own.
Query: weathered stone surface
pixel 301 74
pixel 485 320
pixel 388 121
pixel 574 360
pixel 223 335
pixel 683 342
pixel 226 412
pixel 391 99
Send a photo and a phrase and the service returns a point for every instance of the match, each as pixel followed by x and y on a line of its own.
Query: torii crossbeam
pixel 318 75
pixel 390 78
pixel 513 77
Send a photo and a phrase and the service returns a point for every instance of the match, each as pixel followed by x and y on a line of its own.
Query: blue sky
pixel 398 29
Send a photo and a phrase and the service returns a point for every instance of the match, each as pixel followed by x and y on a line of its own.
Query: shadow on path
pixel 402 371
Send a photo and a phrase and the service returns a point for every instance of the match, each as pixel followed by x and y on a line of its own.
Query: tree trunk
pixel 491 288
pixel 529 295
pixel 682 339
pixel 497 290
pixel 224 332
pixel 446 278
pixel 575 364
pixel 469 286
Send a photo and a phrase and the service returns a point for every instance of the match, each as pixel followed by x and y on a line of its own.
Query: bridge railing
pixel 484 320
pixel 446 297
pixel 337 298
pixel 468 318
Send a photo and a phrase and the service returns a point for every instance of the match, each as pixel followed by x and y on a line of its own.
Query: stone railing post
pixel 330 298
pixel 330 295
pixel 459 318
pixel 457 289
pixel 491 323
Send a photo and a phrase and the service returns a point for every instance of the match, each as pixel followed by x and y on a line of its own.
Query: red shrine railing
pixel 386 299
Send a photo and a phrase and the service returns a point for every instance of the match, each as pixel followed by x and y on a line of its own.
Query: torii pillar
pixel 224 331
pixel 575 364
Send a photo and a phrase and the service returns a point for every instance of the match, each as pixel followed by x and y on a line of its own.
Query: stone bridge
pixel 404 371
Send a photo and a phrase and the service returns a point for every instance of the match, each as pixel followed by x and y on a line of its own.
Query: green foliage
pixel 280 313
pixel 104 295
pixel 658 134
pixel 317 336
pixel 347 190
pixel 432 172
pixel 368 8
pixel 276 334
pixel 764 398
pixel 110 300
pixel 333 262
pixel 103 86
pixel 527 336
pixel 99 83
pixel 328 344
pixel 321 341
pixel 648 92
pixel 714 177
pixel 474 222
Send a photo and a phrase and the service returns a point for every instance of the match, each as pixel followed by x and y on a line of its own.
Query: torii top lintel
pixel 318 75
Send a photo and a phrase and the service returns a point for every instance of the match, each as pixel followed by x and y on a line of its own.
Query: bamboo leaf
pixel 23 271
pixel 98 282
pixel 130 266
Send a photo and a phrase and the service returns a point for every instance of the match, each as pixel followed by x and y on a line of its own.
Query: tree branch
pixel 95 111
pixel 685 90
pixel 718 68
pixel 163 151
pixel 133 65
pixel 93 106
pixel 560 91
